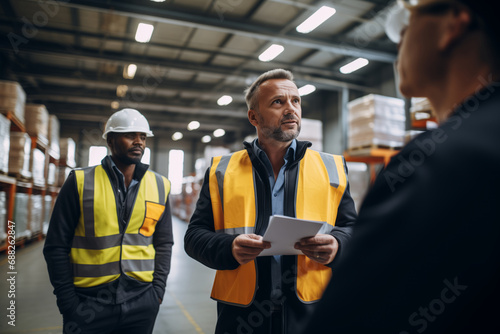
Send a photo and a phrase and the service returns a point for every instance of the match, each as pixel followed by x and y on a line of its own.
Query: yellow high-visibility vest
pixel 321 183
pixel 100 253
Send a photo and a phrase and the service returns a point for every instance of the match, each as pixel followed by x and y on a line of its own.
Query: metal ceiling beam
pixel 54 50
pixel 158 13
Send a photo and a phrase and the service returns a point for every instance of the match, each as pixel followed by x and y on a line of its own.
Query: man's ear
pixel 252 117
pixel 455 25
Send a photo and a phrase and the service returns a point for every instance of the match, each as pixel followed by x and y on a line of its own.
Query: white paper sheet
pixel 283 232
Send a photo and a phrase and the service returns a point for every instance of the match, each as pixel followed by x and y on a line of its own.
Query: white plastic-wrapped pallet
pixel 4 144
pixel 68 148
pixel 3 217
pixel 47 212
pixel 54 149
pixel 376 120
pixel 35 215
pixel 21 215
pixel 37 167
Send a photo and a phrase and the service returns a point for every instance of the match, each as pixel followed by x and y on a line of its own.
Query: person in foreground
pixel 109 242
pixel 425 254
pixel 274 175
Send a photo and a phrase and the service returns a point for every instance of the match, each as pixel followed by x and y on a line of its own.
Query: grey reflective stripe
pixel 96 270
pixel 220 171
pixel 138 265
pixel 97 242
pixel 331 168
pixel 238 230
pixel 161 189
pixel 137 240
pixel 88 201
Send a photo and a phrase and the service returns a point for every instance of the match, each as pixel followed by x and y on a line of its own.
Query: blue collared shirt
pixel 277 198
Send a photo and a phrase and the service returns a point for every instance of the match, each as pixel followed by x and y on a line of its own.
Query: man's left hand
pixel 321 248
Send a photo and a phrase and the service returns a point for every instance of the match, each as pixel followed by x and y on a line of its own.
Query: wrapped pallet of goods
pixel 19 155
pixel 12 99
pixel 21 203
pixel 37 167
pixel 51 174
pixel 61 175
pixel 68 149
pixel 3 218
pixel 54 149
pixel 37 121
pixel 4 144
pixel 47 212
pixel 35 214
pixel 376 120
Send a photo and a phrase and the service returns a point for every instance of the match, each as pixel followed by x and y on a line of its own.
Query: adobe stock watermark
pixel 29 29
pixel 421 318
pixel 223 6
pixel 427 146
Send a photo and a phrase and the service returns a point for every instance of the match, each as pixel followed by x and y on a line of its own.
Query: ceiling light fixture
pixel 158 0
pixel 219 133
pixel 316 19
pixel 177 136
pixel 144 32
pixel 272 52
pixel 193 125
pixel 121 90
pixel 129 71
pixel 115 105
pixel 206 139
pixel 306 90
pixel 224 100
pixel 354 65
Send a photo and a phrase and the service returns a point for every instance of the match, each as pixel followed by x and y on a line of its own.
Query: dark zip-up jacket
pixel 214 249
pixel 60 235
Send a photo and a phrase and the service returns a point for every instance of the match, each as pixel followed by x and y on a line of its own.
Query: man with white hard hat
pixel 109 242
pixel 425 252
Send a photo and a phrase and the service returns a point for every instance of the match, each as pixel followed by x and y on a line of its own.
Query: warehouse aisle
pixel 186 308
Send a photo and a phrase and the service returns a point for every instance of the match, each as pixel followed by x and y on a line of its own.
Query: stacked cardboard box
pixel 12 99
pixel 19 154
pixel 54 149
pixel 376 120
pixel 4 144
pixel 37 121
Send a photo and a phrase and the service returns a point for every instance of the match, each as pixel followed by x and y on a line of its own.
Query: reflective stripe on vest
pixel 320 186
pixel 100 253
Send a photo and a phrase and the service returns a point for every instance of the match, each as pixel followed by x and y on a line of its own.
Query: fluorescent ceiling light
pixel 224 100
pixel 158 0
pixel 219 133
pixel 206 139
pixel 193 125
pixel 307 89
pixel 121 90
pixel 272 52
pixel 115 105
pixel 177 136
pixel 129 71
pixel 354 65
pixel 320 16
pixel 144 32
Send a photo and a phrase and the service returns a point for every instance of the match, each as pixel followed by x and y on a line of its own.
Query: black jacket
pixel 214 249
pixel 57 247
pixel 425 252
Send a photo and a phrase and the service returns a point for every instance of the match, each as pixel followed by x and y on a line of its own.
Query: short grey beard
pixel 279 135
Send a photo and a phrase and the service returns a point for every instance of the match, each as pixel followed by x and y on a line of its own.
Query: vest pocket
pixel 153 213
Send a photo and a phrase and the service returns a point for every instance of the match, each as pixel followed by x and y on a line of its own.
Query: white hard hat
pixel 396 21
pixel 127 120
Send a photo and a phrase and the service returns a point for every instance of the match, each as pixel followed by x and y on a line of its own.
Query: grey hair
pixel 252 92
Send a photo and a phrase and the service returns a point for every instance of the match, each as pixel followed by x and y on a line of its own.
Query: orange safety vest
pixel 321 184
pixel 100 253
